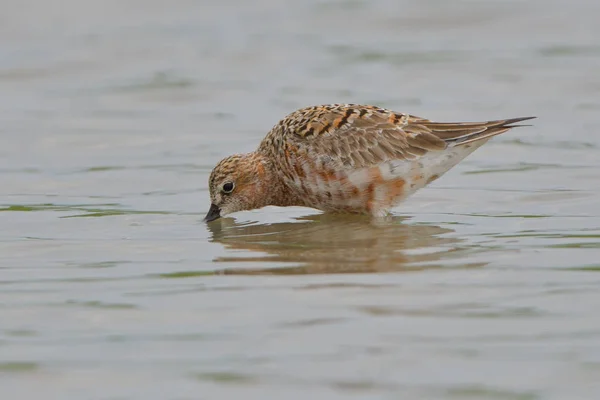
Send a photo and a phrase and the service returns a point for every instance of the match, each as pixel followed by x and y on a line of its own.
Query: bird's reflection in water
pixel 325 243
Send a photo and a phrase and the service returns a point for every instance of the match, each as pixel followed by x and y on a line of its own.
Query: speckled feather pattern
pixel 348 158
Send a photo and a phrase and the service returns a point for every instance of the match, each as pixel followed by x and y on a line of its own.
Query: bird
pixel 345 158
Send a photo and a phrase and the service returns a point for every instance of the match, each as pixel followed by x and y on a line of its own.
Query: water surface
pixel 484 285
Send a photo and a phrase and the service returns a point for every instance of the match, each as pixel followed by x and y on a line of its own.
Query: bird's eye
pixel 228 187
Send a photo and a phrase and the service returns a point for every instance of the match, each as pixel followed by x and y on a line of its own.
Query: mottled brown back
pixel 354 136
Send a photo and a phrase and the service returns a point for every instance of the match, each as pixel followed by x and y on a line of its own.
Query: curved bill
pixel 213 213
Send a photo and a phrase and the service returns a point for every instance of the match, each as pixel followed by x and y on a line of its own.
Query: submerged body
pixel 345 158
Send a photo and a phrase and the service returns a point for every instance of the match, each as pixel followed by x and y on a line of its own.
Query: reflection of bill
pixel 333 244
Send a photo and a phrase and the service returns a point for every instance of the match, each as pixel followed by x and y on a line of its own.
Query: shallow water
pixel 484 285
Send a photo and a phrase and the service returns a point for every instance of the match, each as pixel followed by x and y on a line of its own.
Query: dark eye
pixel 228 187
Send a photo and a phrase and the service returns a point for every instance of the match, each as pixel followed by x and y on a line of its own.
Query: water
pixel 485 285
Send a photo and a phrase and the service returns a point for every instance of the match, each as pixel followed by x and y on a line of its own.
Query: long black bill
pixel 213 213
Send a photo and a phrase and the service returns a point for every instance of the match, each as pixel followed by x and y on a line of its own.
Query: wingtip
pixel 510 123
pixel 515 120
pixel 492 128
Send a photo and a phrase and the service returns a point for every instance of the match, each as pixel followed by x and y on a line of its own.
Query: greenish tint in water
pixel 99 304
pixel 484 285
pixel 489 393
pixel 228 378
pixel 88 211
pixel 186 274
pixel 16 367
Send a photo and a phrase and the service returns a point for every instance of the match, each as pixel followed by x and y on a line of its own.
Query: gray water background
pixel 112 114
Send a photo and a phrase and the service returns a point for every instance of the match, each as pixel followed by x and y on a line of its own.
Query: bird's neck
pixel 271 190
